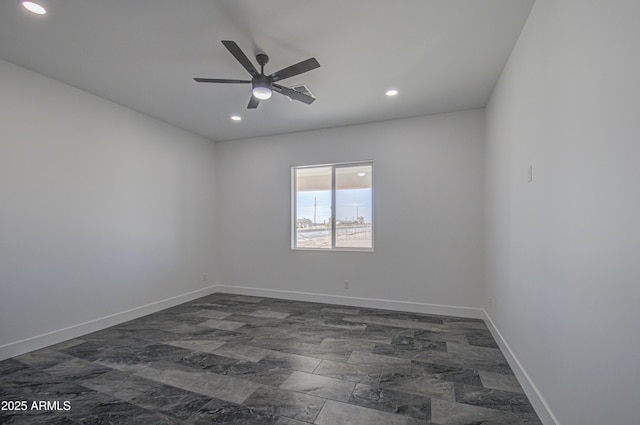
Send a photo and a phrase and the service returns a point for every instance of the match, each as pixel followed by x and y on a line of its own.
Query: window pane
pixel 354 207
pixel 313 207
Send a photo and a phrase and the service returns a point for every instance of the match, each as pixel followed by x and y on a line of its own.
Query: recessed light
pixel 392 92
pixel 362 174
pixel 236 118
pixel 33 7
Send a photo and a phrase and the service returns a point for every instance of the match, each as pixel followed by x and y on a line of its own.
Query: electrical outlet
pixel 204 277
pixel 346 284
pixel 530 174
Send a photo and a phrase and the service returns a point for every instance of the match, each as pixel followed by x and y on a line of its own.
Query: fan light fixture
pixel 261 89
pixel 33 7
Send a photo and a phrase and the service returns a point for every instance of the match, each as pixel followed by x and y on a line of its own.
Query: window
pixel 333 207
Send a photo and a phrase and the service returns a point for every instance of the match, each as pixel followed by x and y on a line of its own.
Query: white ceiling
pixel 442 55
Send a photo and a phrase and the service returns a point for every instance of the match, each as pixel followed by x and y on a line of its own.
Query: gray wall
pixel 428 209
pixel 563 269
pixel 102 210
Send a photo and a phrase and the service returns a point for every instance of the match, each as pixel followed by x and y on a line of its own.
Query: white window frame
pixel 294 219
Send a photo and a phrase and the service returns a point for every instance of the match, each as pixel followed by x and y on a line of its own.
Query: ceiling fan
pixel 263 85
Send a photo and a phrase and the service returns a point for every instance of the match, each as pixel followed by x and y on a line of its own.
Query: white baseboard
pixel 40 341
pixel 537 401
pixel 412 307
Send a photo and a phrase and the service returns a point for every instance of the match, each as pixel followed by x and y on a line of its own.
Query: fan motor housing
pixel 261 81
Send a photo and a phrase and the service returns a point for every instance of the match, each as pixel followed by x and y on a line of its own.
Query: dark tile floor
pixel 228 359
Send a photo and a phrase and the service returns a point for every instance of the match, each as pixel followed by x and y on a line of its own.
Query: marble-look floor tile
pixel 28 380
pixel 499 381
pixel 171 401
pixel 285 343
pixel 268 314
pixel 119 412
pixel 247 299
pixel 333 343
pixel 463 323
pixel 449 373
pixel 79 397
pixel 415 350
pixel 321 386
pixel 403 315
pixel 260 372
pixel 212 314
pixel 223 387
pixel 252 322
pixel 357 373
pixel 279 402
pixel 316 334
pixel 225 413
pixel 458 336
pixel 505 401
pixel 418 383
pixel 337 413
pixel 210 362
pixel 203 346
pixel 363 357
pixel 290 361
pixel 36 418
pixel 450 413
pixel 315 350
pixel 385 334
pixel 482 339
pixel 386 321
pixel 228 336
pixel 125 357
pixel 263 330
pixel 417 344
pixel 77 369
pixel 242 352
pixel 43 358
pixel 225 325
pixel 66 344
pixel 470 352
pixel 488 365
pixel 414 406
pixel 121 385
pixel 287 421
pixel 338 323
pixel 9 366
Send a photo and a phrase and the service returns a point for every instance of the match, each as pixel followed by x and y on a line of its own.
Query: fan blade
pixel 253 103
pixel 296 69
pixel 240 57
pixel 296 95
pixel 221 80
